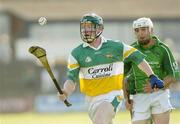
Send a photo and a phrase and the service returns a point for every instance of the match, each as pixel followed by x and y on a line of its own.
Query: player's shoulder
pixel 134 44
pixel 159 42
pixel 162 45
pixel 114 42
pixel 77 49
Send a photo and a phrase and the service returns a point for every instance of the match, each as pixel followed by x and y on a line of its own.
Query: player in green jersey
pixel 98 65
pixel 146 101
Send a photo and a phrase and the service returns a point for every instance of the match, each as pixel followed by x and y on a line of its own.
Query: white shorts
pixel 113 96
pixel 144 105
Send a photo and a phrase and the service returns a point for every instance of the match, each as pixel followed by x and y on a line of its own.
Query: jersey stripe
pixel 73 66
pixel 129 52
pixel 171 64
pixel 72 63
pixel 102 85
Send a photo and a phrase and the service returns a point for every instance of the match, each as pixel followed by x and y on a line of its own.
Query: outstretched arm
pixel 133 55
pixel 145 67
pixel 68 89
pixel 155 82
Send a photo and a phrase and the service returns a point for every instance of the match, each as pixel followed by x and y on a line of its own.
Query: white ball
pixel 42 20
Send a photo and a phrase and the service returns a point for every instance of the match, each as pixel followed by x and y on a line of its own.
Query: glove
pixel 156 82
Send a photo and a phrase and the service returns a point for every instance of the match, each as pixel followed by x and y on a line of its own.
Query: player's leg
pixel 141 118
pixel 104 113
pixel 141 122
pixel 162 118
pixel 103 108
pixel 161 107
pixel 141 109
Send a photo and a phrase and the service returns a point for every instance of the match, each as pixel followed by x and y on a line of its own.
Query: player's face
pixel 143 35
pixel 89 31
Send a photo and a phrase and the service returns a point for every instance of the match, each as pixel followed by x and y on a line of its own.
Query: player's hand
pixel 129 104
pixel 63 96
pixel 156 82
pixel 147 88
pixel 155 89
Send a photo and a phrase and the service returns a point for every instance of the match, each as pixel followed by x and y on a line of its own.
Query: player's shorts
pixel 154 103
pixel 113 97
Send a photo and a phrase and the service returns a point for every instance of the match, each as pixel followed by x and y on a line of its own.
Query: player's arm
pixel 127 70
pixel 73 73
pixel 145 67
pixel 126 85
pixel 136 57
pixel 68 89
pixel 125 88
pixel 128 101
pixel 131 54
pixel 170 67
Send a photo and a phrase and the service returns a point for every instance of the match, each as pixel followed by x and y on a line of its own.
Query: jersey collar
pixel 156 40
pixel 103 40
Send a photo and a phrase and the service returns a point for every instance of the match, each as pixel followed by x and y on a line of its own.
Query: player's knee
pixel 98 121
pixel 102 120
pixel 104 114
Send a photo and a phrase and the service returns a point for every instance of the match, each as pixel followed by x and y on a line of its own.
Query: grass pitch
pixel 68 118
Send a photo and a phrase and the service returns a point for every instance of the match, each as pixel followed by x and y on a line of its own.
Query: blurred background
pixel 26 87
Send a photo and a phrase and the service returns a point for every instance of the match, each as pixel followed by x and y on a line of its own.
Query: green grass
pixel 68 118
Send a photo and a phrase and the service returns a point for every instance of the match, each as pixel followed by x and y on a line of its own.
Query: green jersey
pixel 101 70
pixel 161 61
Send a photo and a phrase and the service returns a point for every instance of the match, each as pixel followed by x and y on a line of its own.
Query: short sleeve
pixel 73 68
pixel 131 54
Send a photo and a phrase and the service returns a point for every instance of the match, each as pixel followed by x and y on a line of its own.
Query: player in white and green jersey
pixel 147 103
pixel 98 65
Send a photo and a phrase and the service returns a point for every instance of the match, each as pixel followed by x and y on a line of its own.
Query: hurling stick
pixel 127 94
pixel 40 53
pixel 129 101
